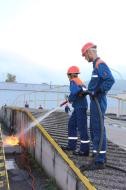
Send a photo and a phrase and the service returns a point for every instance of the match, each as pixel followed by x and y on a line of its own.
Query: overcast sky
pixel 40 39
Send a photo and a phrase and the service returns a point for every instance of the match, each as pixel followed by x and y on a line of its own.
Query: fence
pixel 51 96
pixel 48 97
pixel 117 104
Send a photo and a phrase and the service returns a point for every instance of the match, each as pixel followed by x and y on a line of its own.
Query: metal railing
pixel 52 96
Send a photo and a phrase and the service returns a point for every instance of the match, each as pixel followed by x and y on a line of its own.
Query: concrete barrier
pixel 46 151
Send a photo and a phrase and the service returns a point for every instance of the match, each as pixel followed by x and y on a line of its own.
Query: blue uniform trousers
pixel 78 122
pixel 95 128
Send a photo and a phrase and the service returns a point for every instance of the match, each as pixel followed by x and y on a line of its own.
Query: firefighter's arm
pixel 106 78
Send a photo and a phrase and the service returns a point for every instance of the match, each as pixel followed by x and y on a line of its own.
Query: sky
pixel 41 39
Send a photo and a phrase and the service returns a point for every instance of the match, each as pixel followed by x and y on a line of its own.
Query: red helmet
pixel 86 47
pixel 73 70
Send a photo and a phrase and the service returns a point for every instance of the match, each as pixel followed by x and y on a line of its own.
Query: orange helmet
pixel 73 70
pixel 86 47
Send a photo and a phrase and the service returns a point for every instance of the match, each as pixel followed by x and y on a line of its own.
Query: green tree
pixel 10 78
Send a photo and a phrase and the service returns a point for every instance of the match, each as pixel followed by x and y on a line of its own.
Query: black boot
pixel 66 148
pixel 80 153
pixel 95 166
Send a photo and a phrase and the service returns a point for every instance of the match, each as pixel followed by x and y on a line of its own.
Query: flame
pixel 11 140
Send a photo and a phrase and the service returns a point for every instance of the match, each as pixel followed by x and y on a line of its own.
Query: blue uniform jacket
pixel 75 97
pixel 102 79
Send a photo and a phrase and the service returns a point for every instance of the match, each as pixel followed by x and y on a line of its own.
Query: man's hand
pixel 84 93
pixel 94 93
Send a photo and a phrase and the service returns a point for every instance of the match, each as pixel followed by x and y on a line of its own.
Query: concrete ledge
pixel 48 153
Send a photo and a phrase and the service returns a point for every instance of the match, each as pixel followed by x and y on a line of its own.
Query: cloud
pixel 27 71
pixel 44 38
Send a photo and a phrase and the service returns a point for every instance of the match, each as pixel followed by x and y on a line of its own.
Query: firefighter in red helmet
pixel 78 119
pixel 87 46
pixel 99 85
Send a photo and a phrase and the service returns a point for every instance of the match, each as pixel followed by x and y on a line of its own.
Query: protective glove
pixel 94 93
pixel 85 92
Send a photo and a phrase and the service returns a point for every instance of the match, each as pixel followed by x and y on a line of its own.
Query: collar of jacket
pixel 77 80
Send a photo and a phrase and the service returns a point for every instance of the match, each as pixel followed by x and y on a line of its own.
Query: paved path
pixel 116 131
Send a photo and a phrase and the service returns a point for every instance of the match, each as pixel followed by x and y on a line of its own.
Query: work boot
pixel 80 153
pixel 94 154
pixel 95 166
pixel 66 148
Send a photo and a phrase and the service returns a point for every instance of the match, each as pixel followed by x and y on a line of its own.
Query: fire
pixel 11 140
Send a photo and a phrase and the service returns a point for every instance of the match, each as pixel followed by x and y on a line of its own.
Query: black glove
pixel 94 93
pixel 84 93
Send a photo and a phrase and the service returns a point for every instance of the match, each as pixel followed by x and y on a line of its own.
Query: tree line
pixel 10 78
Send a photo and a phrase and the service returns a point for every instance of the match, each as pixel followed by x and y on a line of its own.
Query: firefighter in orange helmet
pixel 99 85
pixel 78 119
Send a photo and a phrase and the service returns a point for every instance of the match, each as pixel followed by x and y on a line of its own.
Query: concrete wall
pixel 46 151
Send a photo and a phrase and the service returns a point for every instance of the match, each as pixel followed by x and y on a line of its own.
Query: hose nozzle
pixel 63 103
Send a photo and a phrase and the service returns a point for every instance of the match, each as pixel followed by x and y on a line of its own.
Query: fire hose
pixel 63 103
